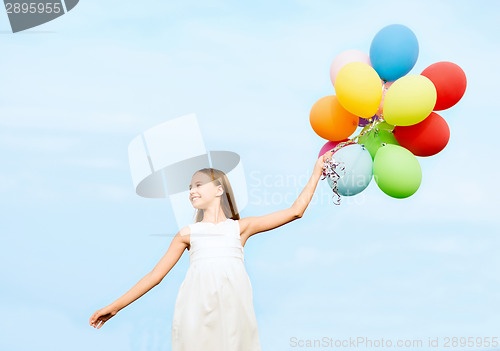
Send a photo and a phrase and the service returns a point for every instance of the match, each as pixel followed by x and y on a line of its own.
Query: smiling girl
pixel 214 306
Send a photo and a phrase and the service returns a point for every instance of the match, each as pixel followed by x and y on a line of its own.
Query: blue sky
pixel 75 236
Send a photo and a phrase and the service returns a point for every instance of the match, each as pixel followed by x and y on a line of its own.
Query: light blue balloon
pixel 393 52
pixel 358 169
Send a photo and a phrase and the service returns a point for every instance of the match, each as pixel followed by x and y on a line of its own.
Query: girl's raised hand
pixel 101 316
pixel 321 160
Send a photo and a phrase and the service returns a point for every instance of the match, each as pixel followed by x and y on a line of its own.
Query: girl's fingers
pixel 96 321
pixel 103 320
pixel 94 317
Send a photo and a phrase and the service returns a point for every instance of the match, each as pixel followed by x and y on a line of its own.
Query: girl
pixel 214 306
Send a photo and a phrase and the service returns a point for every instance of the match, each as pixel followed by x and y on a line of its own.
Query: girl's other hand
pixel 101 316
pixel 321 161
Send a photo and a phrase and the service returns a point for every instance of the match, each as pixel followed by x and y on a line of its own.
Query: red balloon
pixel 426 138
pixel 450 82
pixel 330 145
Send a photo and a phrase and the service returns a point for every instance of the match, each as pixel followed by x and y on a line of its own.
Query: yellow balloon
pixel 359 89
pixel 409 100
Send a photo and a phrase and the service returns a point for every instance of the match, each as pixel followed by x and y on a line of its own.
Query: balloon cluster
pixel 395 109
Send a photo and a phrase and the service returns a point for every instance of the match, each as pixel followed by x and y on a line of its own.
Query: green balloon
pixel 397 171
pixel 378 135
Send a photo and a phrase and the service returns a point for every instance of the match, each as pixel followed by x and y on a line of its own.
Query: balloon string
pixel 367 129
pixel 342 144
pixel 376 134
pixel 330 169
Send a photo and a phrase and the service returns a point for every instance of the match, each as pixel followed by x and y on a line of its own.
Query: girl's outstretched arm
pixel 307 193
pixel 253 225
pixel 149 281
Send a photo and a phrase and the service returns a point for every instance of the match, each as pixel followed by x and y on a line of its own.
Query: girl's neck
pixel 213 217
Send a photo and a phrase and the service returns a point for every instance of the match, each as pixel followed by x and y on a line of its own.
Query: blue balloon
pixel 358 169
pixel 393 52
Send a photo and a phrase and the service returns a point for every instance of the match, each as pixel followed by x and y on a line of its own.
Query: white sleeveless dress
pixel 214 306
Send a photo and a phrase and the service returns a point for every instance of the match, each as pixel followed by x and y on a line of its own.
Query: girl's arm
pixel 150 280
pixel 253 225
pixel 307 193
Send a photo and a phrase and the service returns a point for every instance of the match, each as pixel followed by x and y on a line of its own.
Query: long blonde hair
pixel 228 202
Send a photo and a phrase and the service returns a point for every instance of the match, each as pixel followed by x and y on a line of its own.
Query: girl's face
pixel 203 191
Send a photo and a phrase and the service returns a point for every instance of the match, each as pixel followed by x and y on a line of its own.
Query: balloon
pixel 359 89
pixel 373 140
pixel 426 138
pixel 394 51
pixel 450 82
pixel 385 87
pixel 330 145
pixel 409 100
pixel 330 120
pixel 344 58
pixel 397 171
pixel 358 169
pixel 363 121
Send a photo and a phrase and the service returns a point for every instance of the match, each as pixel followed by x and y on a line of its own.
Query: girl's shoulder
pixel 185 236
pixel 186 230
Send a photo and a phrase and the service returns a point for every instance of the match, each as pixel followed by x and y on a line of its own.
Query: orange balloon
pixel 330 120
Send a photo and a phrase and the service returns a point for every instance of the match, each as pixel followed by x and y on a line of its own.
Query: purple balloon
pixel 363 121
